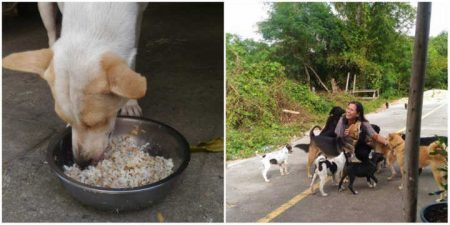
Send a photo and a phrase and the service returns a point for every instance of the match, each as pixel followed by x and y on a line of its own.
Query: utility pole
pixel 346 84
pixel 413 121
pixel 354 83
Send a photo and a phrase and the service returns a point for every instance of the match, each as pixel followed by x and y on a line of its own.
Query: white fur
pixel 280 156
pixel 325 172
pixel 88 31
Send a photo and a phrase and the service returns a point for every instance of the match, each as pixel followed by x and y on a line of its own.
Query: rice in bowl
pixel 126 165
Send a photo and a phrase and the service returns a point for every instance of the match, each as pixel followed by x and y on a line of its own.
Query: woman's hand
pixel 346 132
pixel 380 139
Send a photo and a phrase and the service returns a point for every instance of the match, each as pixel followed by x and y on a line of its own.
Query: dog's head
pixel 349 142
pixel 395 140
pixel 88 92
pixel 333 117
pixel 288 147
pixel 348 156
pixel 336 111
pixel 435 148
pixel 353 131
pixel 376 157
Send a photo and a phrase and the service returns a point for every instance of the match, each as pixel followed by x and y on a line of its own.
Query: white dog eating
pixel 90 69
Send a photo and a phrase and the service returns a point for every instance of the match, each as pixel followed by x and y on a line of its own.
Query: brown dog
pixel 388 155
pixel 331 146
pixel 397 146
pixel 437 162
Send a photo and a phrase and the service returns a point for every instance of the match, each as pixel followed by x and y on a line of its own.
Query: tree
pixel 373 32
pixel 303 35
pixel 437 68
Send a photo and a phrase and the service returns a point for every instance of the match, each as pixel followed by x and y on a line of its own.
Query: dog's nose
pixel 82 163
pixel 99 158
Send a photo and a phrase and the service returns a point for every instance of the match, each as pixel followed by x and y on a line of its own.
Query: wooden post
pixel 413 120
pixel 308 77
pixel 334 87
pixel 354 83
pixel 346 84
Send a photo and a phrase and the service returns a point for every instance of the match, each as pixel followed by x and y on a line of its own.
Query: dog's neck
pixel 351 121
pixel 399 147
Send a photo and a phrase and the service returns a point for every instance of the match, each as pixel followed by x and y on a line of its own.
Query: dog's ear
pixel 123 81
pixel 391 136
pixel 35 61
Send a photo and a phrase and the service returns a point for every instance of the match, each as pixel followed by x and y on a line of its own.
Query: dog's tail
pixel 304 147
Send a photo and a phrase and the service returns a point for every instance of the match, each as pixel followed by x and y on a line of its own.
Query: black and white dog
pixel 364 169
pixel 276 158
pixel 325 168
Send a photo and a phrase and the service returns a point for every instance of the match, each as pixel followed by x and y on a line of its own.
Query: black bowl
pixel 164 141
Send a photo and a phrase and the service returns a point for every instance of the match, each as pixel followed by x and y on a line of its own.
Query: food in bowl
pixel 126 165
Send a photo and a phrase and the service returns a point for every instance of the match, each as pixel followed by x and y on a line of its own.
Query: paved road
pixel 286 199
pixel 181 53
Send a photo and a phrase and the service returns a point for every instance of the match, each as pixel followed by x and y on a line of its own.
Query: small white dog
pixel 325 168
pixel 89 69
pixel 276 158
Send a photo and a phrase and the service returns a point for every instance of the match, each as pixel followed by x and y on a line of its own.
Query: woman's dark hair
pixel 359 110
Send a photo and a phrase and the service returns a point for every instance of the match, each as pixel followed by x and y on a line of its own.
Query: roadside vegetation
pixel 305 46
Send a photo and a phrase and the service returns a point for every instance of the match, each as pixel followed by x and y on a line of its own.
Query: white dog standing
pixel 89 69
pixel 325 168
pixel 276 158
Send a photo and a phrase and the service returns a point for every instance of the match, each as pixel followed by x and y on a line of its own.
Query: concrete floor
pixel 181 54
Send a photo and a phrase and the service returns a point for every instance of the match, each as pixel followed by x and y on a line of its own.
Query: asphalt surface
pixel 249 198
pixel 181 54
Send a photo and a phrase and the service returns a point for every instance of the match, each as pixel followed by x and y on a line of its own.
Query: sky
pixel 241 18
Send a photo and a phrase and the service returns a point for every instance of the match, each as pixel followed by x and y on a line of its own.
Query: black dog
pixel 425 141
pixel 365 169
pixel 332 121
pixel 328 131
pixel 362 149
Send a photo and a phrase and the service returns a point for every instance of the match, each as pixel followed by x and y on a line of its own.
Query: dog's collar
pixel 393 147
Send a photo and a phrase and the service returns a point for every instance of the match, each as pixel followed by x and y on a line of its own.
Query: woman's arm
pixel 380 139
pixel 374 135
pixel 340 128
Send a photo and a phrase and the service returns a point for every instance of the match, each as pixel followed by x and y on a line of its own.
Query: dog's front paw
pixel 131 108
pixel 267 181
pixel 355 193
pixel 324 194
